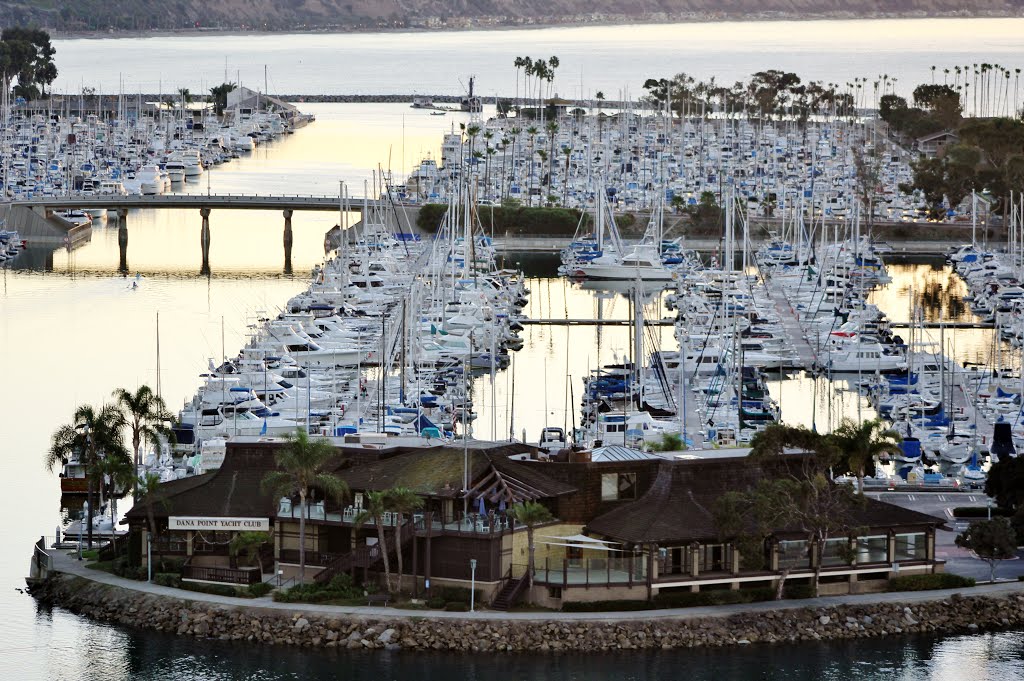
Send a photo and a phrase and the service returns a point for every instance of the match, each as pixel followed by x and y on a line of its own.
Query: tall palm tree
pixel 552 129
pixel 375 505
pixel 532 132
pixel 146 415
pixel 402 501
pixel 303 465
pixel 861 443
pixel 92 435
pixel 531 514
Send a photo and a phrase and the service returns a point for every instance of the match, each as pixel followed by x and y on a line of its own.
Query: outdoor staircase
pixel 510 593
pixel 364 556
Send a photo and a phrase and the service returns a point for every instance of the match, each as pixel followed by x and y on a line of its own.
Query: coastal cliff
pixel 309 15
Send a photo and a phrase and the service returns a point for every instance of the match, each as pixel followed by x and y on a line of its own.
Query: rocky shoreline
pixel 317 629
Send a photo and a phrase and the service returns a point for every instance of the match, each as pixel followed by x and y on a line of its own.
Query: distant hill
pixel 146 15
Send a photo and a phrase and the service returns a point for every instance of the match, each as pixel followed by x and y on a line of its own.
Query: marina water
pixel 72 329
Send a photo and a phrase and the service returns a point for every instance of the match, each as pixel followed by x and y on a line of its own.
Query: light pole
pixel 149 557
pixel 472 584
pixel 989 504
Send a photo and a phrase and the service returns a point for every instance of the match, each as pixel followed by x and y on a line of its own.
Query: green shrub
pixel 435 602
pixel 456 607
pixel 90 554
pixel 940 580
pixel 606 606
pixel 260 589
pixel 215 589
pixel 978 512
pixel 510 220
pixel 340 587
pixel 167 579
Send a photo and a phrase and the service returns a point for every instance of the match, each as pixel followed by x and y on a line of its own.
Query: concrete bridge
pixel 38 221
pixel 208 201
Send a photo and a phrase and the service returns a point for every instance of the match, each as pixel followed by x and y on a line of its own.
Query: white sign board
pixel 219 524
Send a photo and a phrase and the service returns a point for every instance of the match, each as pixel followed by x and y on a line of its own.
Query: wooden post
pixel 651 548
pixel 929 543
pixel 426 565
pixel 694 559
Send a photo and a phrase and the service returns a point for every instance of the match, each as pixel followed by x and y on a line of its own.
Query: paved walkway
pixel 62 562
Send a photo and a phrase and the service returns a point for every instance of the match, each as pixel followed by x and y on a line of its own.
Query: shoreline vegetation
pixel 466 24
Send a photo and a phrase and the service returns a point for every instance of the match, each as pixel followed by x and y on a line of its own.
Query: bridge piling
pixel 122 239
pixel 288 241
pixel 204 238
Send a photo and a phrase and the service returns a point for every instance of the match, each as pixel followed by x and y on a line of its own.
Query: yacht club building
pixel 625 528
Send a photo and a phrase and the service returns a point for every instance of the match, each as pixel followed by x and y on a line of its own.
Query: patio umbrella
pixel 501 504
pixel 480 505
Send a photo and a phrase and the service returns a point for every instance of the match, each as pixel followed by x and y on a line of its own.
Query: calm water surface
pixel 71 331
pixel 614 59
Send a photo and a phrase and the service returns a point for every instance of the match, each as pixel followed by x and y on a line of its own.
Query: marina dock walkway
pixel 68 564
pixel 796 338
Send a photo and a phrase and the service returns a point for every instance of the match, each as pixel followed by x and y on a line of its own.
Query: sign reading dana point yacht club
pixel 219 524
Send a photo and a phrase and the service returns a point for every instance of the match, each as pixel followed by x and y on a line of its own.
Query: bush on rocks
pixel 940 580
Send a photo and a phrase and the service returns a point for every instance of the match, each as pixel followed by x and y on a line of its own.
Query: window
pixel 793 554
pixel 615 486
pixel 910 547
pixel 873 549
pixel 835 551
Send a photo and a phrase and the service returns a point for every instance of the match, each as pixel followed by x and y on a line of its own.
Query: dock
pixel 796 339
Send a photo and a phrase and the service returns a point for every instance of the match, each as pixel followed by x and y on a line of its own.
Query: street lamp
pixel 472 583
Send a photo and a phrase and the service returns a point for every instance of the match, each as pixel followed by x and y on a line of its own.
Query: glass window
pixel 874 549
pixel 835 551
pixel 910 547
pixel 615 486
pixel 793 554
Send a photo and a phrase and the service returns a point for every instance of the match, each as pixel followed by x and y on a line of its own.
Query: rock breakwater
pixel 317 628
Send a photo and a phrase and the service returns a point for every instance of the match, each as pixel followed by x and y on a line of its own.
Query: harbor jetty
pixel 261 621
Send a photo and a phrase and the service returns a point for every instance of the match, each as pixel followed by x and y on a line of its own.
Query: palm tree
pixel 532 132
pixel 552 129
pixel 375 505
pixel 94 435
pixel 303 465
pixel 146 413
pixel 861 443
pixel 402 501
pixel 531 514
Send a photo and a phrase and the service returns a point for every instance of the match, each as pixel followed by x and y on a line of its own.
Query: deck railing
pixel 224 575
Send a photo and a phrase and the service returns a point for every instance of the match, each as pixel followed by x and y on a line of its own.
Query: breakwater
pixel 314 626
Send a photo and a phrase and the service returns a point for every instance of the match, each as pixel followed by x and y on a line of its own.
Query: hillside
pixel 142 15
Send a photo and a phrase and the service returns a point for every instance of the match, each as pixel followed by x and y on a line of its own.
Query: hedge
pixel 689 599
pixel 514 221
pixel 979 512
pixel 940 580
pixel 606 606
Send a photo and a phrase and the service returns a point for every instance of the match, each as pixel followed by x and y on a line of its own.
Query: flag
pixel 263 430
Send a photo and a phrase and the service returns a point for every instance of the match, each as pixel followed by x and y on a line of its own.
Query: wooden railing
pixel 226 575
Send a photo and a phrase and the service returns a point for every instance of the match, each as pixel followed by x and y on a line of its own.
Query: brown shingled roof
pixel 678 508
